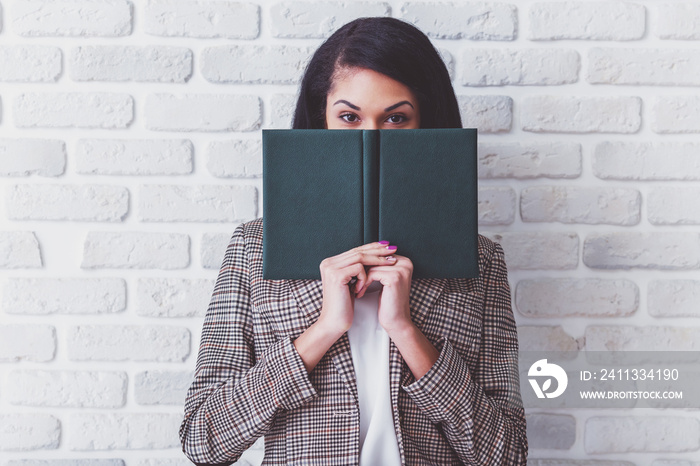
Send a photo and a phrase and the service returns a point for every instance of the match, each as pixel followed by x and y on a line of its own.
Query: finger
pixel 389 274
pixel 361 279
pixel 369 255
pixel 368 281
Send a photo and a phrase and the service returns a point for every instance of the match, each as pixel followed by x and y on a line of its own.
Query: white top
pixel 369 345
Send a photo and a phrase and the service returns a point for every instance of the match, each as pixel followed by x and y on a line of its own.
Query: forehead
pixel 361 83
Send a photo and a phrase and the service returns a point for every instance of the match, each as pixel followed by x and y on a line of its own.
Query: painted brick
pixel 678 21
pixel 488 113
pixel 42 296
pixel 78 389
pixel 550 431
pixel 202 18
pixel 449 61
pixel 131 63
pixel 74 110
pixel 128 343
pixel 213 248
pixel 184 462
pixel 254 64
pixel 647 161
pixel 519 67
pixel 203 112
pixel 76 18
pixel 662 67
pixel 586 20
pixel 673 298
pixel 315 20
pixel 24 157
pixel 112 431
pixel 91 203
pixel 496 206
pixel 135 250
pixel 162 387
pixel 624 434
pixel 73 462
pixel 676 114
pixel 625 250
pixel 172 297
pixel 538 250
pixel 197 203
pixel 531 160
pixel 282 114
pixel 29 431
pixel 570 297
pixel 674 463
pixel 19 249
pixel 629 338
pixel 564 114
pixel 673 206
pixel 468 20
pixel 134 156
pixel 545 338
pixel 27 342
pixel 235 159
pixel 615 206
pixel 29 63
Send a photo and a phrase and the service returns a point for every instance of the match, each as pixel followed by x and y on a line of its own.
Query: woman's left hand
pixel 394 309
pixel 395 314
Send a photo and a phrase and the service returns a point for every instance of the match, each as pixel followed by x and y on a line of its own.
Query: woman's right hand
pixel 337 273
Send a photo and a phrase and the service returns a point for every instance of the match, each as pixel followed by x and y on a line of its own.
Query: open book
pixel 328 191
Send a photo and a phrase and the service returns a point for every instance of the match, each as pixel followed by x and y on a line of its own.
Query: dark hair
pixel 389 46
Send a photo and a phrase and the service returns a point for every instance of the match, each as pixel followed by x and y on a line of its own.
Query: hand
pixel 394 309
pixel 338 271
pixel 395 315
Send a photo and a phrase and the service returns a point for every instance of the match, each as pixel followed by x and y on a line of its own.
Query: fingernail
pixel 390 258
pixel 391 248
pixel 384 243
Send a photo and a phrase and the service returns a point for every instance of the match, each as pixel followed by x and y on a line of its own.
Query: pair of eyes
pixel 395 119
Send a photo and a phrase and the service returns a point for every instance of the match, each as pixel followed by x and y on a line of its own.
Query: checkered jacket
pixel 251 382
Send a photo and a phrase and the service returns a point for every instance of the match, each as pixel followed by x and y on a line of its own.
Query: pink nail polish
pixel 391 248
pixel 384 243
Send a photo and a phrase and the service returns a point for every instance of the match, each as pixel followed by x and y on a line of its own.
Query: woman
pixel 384 370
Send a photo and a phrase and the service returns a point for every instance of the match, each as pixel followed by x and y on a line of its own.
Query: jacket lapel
pixel 424 293
pixel 422 297
pixel 309 297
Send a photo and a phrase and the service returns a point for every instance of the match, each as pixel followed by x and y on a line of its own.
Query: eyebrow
pixel 352 106
pixel 403 102
pixel 388 109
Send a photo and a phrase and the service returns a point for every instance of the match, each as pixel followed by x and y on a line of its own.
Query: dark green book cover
pixel 328 191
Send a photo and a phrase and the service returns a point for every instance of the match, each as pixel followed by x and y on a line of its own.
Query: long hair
pixel 388 46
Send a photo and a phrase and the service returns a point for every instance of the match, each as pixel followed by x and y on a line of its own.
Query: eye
pixel 350 117
pixel 397 119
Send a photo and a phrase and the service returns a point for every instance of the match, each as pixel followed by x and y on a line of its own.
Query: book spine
pixel 370 183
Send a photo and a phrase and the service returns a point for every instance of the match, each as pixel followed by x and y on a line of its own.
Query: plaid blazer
pixel 251 382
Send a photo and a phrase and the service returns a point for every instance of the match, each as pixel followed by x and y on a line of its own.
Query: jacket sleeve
pixel 234 397
pixel 480 410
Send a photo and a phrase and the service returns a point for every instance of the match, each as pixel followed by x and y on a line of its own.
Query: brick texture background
pixel 130 150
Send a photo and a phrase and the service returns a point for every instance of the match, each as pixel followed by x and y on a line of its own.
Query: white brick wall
pixel 130 149
pixel 74 110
